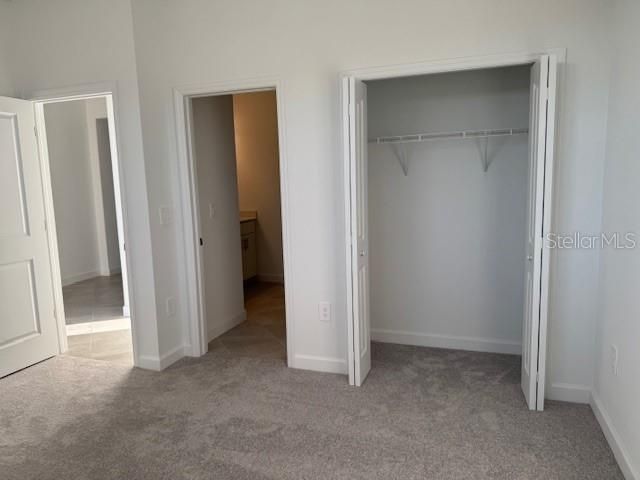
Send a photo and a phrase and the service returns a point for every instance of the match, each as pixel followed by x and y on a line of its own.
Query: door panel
pixel 17 300
pixel 220 256
pixel 538 214
pixel 28 329
pixel 359 229
pixel 13 221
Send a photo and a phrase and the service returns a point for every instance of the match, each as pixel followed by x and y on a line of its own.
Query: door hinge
pixel 544 93
pixel 35 131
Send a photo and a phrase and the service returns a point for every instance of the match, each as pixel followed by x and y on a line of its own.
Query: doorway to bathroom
pixel 238 222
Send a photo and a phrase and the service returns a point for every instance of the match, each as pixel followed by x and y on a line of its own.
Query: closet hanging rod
pixel 425 137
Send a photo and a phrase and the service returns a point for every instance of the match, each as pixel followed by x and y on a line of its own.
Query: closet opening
pixel 234 146
pixel 448 198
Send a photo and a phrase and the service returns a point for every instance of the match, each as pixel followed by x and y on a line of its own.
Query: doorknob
pixel 529 257
pixel 362 253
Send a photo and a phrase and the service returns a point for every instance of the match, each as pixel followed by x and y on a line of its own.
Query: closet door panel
pixel 538 222
pixel 361 335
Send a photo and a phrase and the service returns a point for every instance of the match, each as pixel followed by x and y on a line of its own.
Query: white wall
pixel 617 398
pixel 104 201
pixel 447 242
pixel 73 48
pixel 82 185
pixel 256 133
pixel 202 42
pixel 72 182
pixel 6 80
pixel 215 158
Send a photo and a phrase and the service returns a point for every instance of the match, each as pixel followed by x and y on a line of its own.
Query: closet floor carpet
pixel 422 413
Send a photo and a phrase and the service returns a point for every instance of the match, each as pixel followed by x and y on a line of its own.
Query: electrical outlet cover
pixel 324 311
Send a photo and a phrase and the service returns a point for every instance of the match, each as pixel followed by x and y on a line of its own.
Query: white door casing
pixel 541 125
pixel 359 227
pixel 28 330
pixel 541 217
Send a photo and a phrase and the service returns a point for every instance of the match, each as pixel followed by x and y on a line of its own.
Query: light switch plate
pixel 614 360
pixel 170 306
pixel 166 215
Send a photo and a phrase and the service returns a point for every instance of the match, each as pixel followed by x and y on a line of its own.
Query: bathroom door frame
pixel 190 231
pixel 426 68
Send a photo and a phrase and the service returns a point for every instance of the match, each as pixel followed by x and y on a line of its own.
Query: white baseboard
pixel 79 277
pixel 475 344
pixel 108 271
pixel 270 278
pixel 160 363
pixel 567 392
pixel 148 362
pixel 98 327
pixel 217 330
pixel 612 436
pixel 320 364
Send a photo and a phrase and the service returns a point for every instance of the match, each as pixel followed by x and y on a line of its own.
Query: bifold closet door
pixel 28 329
pixel 541 133
pixel 359 229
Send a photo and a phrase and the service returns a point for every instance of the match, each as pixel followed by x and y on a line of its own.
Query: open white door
pixel 108 146
pixel 541 132
pixel 359 229
pixel 28 330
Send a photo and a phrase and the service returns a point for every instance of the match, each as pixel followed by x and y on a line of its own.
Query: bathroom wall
pixel 256 130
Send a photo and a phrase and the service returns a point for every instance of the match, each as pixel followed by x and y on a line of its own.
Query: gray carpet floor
pixel 422 414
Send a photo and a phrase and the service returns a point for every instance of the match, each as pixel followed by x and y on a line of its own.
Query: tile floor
pixel 263 335
pixel 114 347
pixel 96 300
pixel 92 300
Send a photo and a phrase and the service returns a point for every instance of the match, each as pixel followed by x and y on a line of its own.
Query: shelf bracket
pixel 483 147
pixel 400 151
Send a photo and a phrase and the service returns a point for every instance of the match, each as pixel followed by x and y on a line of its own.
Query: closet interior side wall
pixel 447 241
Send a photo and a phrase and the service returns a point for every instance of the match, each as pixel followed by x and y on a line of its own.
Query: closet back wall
pixel 447 241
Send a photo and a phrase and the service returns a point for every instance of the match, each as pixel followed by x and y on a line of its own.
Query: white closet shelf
pixel 425 137
pixel 397 142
